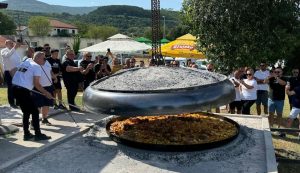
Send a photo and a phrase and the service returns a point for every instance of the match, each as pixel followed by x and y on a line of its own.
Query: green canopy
pixel 143 40
pixel 164 41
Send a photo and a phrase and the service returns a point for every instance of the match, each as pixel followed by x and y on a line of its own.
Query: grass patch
pixel 78 99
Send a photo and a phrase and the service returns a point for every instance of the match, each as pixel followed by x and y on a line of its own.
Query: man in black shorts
pixel 56 69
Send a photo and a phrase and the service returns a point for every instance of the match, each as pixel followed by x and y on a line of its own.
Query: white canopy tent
pixel 117 44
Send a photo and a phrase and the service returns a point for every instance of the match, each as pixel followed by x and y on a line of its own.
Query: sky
pixel 146 4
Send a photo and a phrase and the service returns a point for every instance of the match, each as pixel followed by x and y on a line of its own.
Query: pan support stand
pixel 155 16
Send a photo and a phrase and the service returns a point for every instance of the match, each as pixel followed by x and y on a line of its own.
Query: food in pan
pixel 182 129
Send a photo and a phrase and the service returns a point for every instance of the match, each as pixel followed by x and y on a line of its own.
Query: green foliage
pixel 102 32
pixel 39 25
pixel 241 32
pixel 82 27
pixel 178 31
pixel 128 20
pixel 7 26
pixel 76 43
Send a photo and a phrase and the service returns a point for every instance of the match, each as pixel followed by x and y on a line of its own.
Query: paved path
pixel 14 151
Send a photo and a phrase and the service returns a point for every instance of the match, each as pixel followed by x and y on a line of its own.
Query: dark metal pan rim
pixel 153 91
pixel 173 148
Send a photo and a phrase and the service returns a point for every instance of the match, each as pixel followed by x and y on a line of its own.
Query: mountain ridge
pixel 41 7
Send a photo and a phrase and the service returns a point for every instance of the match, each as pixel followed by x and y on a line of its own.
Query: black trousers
pixel 72 90
pixel 10 94
pixel 28 107
pixel 246 106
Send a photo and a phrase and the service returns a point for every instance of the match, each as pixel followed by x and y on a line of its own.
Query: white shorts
pixel 294 113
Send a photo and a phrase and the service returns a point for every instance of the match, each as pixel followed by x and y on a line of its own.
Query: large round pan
pixel 178 148
pixel 158 102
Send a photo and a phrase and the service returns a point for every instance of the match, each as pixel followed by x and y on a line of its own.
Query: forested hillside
pixel 129 20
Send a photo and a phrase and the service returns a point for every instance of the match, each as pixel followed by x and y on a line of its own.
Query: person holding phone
pixel 276 95
pixel 88 69
pixel 11 59
pixel 248 89
pixel 237 103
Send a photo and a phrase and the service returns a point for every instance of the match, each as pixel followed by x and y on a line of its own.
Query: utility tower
pixel 155 11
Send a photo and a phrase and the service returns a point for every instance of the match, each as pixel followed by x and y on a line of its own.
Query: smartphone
pixel 18 40
pixel 108 50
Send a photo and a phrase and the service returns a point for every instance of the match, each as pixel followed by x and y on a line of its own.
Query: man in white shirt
pixel 11 60
pixel 26 78
pixel 262 88
pixel 46 82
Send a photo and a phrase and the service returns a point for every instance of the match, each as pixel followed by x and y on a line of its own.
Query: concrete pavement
pixel 14 151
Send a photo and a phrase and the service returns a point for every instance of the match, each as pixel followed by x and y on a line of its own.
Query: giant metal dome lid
pixel 157 91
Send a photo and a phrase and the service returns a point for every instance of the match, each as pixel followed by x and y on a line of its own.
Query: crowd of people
pixel 34 83
pixel 266 88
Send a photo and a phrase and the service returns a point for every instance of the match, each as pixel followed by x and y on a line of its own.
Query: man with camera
pixel 88 72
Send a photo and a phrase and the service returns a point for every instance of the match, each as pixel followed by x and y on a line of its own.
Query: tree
pixel 76 44
pixel 39 25
pixel 242 32
pixel 102 32
pixel 82 28
pixel 7 26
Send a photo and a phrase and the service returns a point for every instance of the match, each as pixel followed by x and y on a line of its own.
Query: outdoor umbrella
pixel 184 46
pixel 118 43
pixel 164 41
pixel 143 40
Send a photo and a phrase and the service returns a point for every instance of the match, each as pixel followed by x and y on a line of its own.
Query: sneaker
pixel 46 122
pixel 283 135
pixel 28 136
pixel 61 106
pixel 55 106
pixel 75 109
pixel 41 136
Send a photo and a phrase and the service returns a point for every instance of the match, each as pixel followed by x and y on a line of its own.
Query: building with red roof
pixel 62 29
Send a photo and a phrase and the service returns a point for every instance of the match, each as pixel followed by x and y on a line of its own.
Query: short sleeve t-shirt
pixel 55 64
pixel 70 78
pixel 296 100
pixel 46 79
pixel 262 75
pixel 25 73
pixel 277 91
pixel 249 94
pixel 294 82
pixel 90 76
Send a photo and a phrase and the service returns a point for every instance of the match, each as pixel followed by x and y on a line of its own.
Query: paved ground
pixel 69 151
pixel 14 151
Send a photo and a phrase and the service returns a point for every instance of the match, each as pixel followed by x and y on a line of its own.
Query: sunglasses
pixel 249 74
pixel 89 56
pixel 209 69
pixel 277 72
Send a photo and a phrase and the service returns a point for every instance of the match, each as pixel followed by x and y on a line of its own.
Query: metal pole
pixel 164 35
